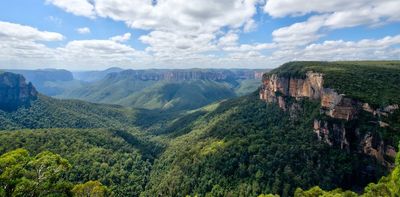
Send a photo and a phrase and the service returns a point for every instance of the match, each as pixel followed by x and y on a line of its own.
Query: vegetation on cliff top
pixel 374 82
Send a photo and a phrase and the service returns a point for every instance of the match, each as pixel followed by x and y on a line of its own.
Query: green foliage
pixel 387 186
pixel 374 82
pixel 174 96
pixel 246 147
pixel 95 154
pixel 22 175
pixel 47 112
pixel 90 188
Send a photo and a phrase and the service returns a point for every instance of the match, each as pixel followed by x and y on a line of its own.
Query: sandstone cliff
pixel 15 92
pixel 340 127
pixel 188 74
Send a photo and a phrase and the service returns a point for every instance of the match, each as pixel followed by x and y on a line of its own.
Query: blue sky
pixel 202 33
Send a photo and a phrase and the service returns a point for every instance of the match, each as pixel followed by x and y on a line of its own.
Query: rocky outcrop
pixel 341 127
pixel 15 92
pixel 333 104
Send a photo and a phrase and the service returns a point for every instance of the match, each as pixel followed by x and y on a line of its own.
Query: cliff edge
pixel 345 122
pixel 15 92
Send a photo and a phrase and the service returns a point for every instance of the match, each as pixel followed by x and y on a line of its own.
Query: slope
pixel 95 154
pixel 46 112
pixel 167 89
pixel 246 146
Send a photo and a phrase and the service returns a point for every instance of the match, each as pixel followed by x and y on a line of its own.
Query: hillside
pixel 284 140
pixel 246 146
pixel 298 131
pixel 172 90
pixel 95 154
pixel 47 112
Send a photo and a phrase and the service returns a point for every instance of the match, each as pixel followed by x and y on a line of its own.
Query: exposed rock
pixel 374 147
pixel 366 107
pixel 383 124
pixel 322 131
pixel 333 132
pixel 282 103
pixel 332 103
pixel 15 92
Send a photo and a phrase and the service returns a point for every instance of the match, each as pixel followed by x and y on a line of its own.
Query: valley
pixel 211 132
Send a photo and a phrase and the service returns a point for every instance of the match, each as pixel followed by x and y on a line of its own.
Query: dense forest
pixel 235 147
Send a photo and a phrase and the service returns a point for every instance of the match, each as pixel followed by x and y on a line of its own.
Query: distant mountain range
pixel 164 89
pixel 331 124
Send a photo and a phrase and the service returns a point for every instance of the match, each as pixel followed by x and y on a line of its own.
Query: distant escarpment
pixel 15 92
pixel 346 122
pixel 188 74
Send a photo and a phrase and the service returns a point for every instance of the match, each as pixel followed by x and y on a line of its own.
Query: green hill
pixel 47 112
pixel 236 147
pixel 95 154
pixel 248 147
pixel 179 95
pixel 167 89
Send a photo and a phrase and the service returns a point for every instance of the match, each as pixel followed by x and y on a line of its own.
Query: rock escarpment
pixel 187 74
pixel 339 125
pixel 333 104
pixel 15 92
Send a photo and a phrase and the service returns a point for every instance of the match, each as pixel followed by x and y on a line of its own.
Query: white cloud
pixel 333 15
pixel 250 47
pixel 198 15
pixel 83 30
pixel 16 31
pixel 176 26
pixel 332 50
pixel 281 8
pixel 383 48
pixel 228 39
pixel 250 26
pixel 77 7
pixel 165 44
pixel 299 34
pixel 121 38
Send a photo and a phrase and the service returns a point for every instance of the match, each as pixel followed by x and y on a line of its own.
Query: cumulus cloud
pixel 198 15
pixel 299 34
pixel 23 46
pixel 16 31
pixel 77 7
pixel 121 38
pixel 83 30
pixel 175 26
pixel 205 33
pixel 332 15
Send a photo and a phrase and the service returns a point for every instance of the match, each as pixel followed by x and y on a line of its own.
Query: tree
pixel 12 169
pixel 90 189
pixel 22 175
pixel 387 186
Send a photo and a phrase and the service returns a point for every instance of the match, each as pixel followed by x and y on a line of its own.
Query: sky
pixel 140 34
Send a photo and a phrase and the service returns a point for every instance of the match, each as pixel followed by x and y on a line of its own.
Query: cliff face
pixel 333 104
pixel 188 74
pixel 15 92
pixel 340 128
